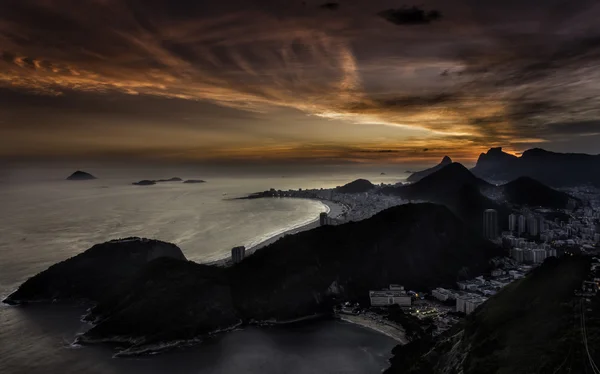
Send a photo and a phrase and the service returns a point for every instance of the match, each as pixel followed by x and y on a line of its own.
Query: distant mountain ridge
pixel 528 191
pixel 357 186
pixel 551 168
pixel 418 175
pixel 465 194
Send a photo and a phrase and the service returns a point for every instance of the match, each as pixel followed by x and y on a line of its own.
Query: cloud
pixel 410 16
pixel 330 6
pixel 496 73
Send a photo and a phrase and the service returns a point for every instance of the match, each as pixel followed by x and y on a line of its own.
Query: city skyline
pixel 296 82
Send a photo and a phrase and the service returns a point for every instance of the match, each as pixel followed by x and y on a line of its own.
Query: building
pixel 512 222
pixel 539 255
pixel 442 294
pixel 238 254
pixel 490 224
pixel 522 224
pixel 468 303
pixel 528 255
pixel 390 297
pixel 323 219
pixel 517 254
pixel 533 225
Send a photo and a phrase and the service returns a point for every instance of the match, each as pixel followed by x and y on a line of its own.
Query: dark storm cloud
pixel 410 16
pixel 330 6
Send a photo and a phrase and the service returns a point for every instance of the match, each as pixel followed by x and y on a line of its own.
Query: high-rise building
pixel 323 219
pixel 533 225
pixel 238 254
pixel 539 255
pixel 522 224
pixel 490 224
pixel 517 254
pixel 512 222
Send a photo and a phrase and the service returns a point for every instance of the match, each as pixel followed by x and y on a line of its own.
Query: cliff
pixel 90 274
pixel 418 175
pixel 533 325
pixel 80 176
pixel 551 168
pixel 418 245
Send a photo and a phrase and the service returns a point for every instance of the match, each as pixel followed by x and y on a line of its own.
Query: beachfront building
pixel 238 254
pixel 323 219
pixel 394 295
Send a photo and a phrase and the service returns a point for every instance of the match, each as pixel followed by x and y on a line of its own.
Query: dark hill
pixel 528 191
pixel 447 181
pixel 458 189
pixel 357 186
pixel 531 326
pixel 418 245
pixel 418 175
pixel 551 168
pixel 80 176
pixel 91 274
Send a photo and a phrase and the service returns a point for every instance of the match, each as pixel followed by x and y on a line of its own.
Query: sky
pixel 292 81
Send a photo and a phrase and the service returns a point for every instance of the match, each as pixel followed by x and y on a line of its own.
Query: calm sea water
pixel 46 219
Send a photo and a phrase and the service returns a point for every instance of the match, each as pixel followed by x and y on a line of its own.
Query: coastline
pixel 333 210
pixel 387 329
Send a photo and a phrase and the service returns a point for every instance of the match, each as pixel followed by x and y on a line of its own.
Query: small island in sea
pixel 80 176
pixel 150 182
pixel 145 182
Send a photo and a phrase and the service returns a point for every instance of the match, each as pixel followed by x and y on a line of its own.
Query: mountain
pixel 528 191
pixel 357 186
pixel 551 168
pixel 458 189
pixel 417 245
pixel 80 176
pixel 418 175
pixel 90 274
pixel 534 325
pixel 446 181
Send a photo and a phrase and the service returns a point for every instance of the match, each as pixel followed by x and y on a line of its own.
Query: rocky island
pixel 128 282
pixel 80 176
pixel 145 182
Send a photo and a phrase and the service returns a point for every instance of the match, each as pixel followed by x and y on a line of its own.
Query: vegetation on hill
pixel 528 191
pixel 418 245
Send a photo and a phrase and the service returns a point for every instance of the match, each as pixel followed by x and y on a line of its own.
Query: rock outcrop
pixel 418 175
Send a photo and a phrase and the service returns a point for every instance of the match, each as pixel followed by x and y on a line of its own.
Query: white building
pixel 397 296
pixel 443 294
pixel 468 303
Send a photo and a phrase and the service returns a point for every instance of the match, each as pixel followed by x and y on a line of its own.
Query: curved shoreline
pixel 333 210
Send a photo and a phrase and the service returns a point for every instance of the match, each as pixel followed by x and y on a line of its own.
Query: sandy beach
pixel 334 210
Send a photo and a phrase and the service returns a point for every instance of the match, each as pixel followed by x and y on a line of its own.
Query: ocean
pixel 46 219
